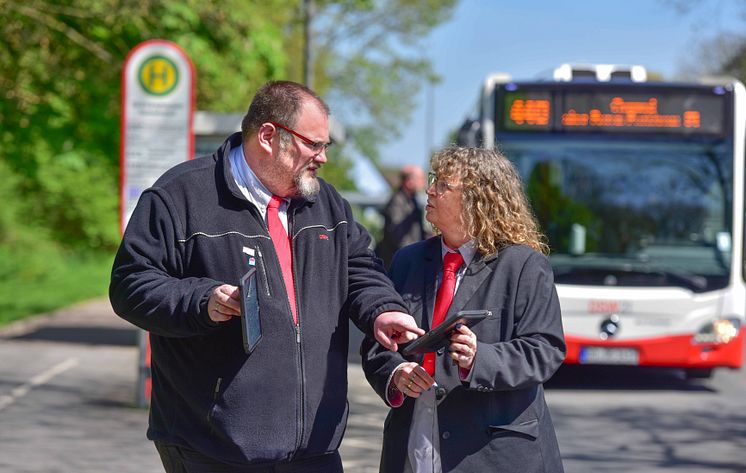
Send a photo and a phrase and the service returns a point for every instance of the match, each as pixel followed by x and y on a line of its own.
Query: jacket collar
pixel 476 274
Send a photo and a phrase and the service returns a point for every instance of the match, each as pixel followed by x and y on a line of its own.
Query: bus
pixel 639 187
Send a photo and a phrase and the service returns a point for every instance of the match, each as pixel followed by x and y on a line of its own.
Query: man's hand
pixel 392 328
pixel 223 303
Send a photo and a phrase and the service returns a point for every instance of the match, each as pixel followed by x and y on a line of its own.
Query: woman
pixel 479 406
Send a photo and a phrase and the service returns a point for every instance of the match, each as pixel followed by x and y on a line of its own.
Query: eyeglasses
pixel 440 186
pixel 315 146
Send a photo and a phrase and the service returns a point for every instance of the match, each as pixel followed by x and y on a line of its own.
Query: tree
pixel 60 67
pixel 370 63
pixel 723 53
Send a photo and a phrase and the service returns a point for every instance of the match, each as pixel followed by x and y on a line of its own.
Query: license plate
pixel 609 356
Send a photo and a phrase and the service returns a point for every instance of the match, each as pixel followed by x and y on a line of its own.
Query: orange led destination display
pixel 530 112
pixel 639 114
pixel 680 113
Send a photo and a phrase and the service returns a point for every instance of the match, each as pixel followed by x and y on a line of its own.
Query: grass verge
pixel 40 281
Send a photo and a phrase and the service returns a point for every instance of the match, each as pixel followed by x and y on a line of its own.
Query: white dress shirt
pixel 252 188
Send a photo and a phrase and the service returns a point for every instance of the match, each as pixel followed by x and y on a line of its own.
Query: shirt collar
pixel 250 185
pixel 467 250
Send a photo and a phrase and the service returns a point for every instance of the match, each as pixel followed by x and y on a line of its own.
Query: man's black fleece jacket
pixel 192 231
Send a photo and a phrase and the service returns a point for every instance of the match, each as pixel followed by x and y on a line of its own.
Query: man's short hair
pixel 278 101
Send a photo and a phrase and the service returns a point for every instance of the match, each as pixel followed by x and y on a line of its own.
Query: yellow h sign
pixel 158 75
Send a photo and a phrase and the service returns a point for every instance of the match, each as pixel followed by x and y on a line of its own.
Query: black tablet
pixel 251 325
pixel 439 337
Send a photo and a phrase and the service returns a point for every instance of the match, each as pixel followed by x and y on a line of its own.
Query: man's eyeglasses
pixel 441 186
pixel 315 146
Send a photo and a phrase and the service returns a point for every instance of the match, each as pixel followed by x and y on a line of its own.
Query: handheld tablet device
pixel 251 325
pixel 439 337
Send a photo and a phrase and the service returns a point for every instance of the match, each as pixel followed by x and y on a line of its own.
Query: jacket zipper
pixel 264 271
pixel 258 216
pixel 296 327
pixel 214 399
pixel 301 409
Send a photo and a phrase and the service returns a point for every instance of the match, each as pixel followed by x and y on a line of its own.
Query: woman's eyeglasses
pixel 441 186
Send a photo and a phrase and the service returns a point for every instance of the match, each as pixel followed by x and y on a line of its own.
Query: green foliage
pixel 336 170
pixel 38 278
pixel 60 68
pixel 79 207
pixel 372 220
pixel 719 53
pixel 9 209
pixel 236 45
pixel 735 65
pixel 370 63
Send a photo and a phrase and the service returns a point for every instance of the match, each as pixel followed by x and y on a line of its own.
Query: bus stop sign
pixel 156 134
pixel 157 117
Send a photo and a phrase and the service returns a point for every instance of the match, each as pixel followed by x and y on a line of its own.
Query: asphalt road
pixel 67 394
pixel 653 421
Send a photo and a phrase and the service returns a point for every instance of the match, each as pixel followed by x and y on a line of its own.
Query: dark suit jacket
pixel 498 419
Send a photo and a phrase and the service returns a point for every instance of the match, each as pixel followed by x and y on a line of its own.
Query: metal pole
pixel 429 119
pixel 309 9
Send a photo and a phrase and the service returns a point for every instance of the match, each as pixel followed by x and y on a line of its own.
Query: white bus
pixel 639 187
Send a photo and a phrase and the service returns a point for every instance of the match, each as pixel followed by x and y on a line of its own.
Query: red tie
pixel 281 241
pixel 451 263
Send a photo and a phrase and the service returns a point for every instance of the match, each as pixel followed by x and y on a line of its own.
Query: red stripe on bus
pixel 672 351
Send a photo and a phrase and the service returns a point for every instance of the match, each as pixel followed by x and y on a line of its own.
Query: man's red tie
pixel 451 263
pixel 281 241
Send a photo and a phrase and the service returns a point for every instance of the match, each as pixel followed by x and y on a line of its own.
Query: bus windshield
pixel 633 212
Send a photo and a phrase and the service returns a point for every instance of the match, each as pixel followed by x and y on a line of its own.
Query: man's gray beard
pixel 307 186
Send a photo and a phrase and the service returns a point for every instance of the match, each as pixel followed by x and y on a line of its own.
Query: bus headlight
pixel 718 331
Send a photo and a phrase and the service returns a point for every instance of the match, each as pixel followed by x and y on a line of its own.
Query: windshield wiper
pixel 627 275
pixel 692 281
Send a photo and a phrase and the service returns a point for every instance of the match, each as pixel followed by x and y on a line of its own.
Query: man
pixel 403 223
pixel 256 203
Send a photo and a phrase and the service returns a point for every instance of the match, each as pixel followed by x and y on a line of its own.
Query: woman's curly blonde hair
pixel 495 211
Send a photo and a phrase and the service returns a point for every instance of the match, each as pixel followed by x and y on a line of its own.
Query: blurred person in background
pixel 479 404
pixel 255 203
pixel 403 221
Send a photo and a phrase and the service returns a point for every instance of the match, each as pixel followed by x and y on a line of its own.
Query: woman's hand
pixel 463 346
pixel 412 379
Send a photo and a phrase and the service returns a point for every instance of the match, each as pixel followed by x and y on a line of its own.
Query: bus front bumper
pixel 672 351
